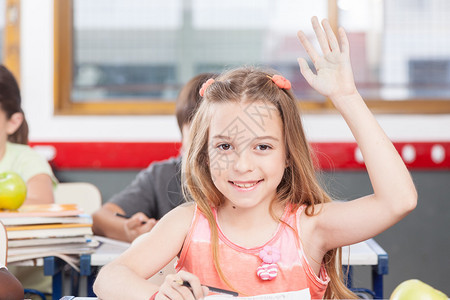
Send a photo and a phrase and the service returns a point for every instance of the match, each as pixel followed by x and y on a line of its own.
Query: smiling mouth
pixel 246 185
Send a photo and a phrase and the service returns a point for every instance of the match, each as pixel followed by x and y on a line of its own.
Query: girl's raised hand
pixel 334 77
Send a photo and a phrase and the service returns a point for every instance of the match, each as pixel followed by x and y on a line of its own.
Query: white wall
pixel 37 94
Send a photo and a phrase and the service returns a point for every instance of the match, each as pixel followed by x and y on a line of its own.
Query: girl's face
pixel 9 126
pixel 4 125
pixel 247 155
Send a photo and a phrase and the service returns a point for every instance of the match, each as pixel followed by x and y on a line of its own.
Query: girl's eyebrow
pixel 266 137
pixel 221 137
pixel 228 138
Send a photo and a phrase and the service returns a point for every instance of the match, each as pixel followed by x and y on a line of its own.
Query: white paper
pixel 295 295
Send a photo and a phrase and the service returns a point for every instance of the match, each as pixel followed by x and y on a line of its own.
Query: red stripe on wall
pixel 106 155
pixel 127 155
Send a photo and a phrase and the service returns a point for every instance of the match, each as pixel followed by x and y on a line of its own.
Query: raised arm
pixel 394 194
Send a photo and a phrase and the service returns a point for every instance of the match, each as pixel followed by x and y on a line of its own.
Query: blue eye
pixel 224 147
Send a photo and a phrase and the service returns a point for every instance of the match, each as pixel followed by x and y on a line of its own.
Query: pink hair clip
pixel 281 82
pixel 205 86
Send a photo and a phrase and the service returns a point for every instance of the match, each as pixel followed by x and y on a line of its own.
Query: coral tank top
pixel 280 265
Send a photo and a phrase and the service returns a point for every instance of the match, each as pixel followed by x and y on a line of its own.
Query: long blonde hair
pixel 299 184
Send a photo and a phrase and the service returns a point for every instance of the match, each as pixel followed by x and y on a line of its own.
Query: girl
pixel 15 155
pixel 261 223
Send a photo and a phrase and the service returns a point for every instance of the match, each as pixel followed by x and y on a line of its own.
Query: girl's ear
pixel 14 123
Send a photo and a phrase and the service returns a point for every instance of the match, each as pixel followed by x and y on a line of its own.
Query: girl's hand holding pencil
pixel 182 285
pixel 210 288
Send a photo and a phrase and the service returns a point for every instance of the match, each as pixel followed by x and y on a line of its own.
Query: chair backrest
pixel 3 244
pixel 85 194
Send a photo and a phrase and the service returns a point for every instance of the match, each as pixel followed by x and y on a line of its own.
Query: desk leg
pixel 90 271
pixel 90 282
pixel 74 282
pixel 85 264
pixel 53 266
pixel 377 283
pixel 379 270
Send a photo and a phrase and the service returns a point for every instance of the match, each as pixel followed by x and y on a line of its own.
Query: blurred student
pixel 155 190
pixel 15 154
pixel 10 286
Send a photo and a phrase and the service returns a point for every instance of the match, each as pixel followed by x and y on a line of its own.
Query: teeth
pixel 244 185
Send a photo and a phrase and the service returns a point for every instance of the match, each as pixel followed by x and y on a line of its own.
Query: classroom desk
pixel 88 264
pixel 367 253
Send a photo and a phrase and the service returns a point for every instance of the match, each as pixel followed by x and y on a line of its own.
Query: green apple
pixel 13 190
pixel 414 289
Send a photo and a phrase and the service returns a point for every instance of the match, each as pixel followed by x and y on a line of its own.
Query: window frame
pixel 11 38
pixel 63 54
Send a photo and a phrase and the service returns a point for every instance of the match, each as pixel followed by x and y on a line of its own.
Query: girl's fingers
pixel 183 291
pixel 196 288
pixel 305 70
pixel 308 46
pixel 321 36
pixel 205 291
pixel 332 40
pixel 166 290
pixel 161 296
pixel 345 45
pixel 169 292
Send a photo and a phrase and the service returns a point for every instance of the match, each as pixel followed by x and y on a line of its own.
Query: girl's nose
pixel 243 161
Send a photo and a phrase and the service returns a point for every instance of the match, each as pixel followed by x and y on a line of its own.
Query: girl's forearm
pixel 388 174
pixel 116 281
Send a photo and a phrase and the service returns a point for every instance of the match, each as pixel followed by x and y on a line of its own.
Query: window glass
pixel 133 49
pixel 400 48
pixel 125 49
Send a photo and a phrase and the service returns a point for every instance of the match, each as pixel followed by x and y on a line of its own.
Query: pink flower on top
pixel 205 86
pixel 270 255
pixel 281 82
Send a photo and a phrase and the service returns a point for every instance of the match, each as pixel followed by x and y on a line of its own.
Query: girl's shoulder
pixel 18 147
pixel 174 225
pixel 186 209
pixel 22 151
pixel 181 215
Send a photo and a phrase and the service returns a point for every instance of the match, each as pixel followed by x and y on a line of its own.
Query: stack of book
pixel 36 231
